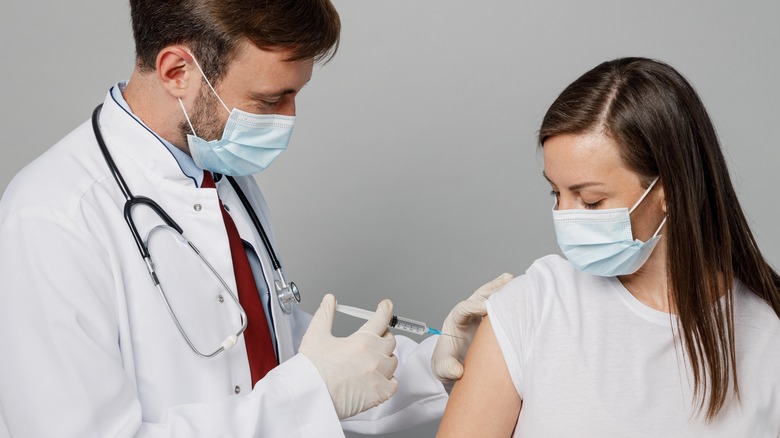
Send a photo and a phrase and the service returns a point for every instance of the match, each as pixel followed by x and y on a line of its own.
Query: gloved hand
pixel 461 323
pixel 358 370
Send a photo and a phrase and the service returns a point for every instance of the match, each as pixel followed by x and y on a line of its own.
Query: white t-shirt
pixel 590 360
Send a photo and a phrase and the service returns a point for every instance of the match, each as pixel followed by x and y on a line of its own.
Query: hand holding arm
pixel 461 324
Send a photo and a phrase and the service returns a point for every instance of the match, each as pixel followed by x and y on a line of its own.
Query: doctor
pixel 93 347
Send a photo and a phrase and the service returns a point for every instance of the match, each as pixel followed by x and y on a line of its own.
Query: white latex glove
pixel 461 323
pixel 358 370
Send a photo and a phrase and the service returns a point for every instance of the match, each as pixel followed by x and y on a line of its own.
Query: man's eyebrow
pixel 255 95
pixel 575 187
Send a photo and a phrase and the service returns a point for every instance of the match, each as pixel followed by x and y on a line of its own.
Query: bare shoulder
pixel 484 402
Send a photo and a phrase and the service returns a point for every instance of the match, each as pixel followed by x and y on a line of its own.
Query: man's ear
pixel 177 73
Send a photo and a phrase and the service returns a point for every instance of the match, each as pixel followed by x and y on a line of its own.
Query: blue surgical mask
pixel 600 242
pixel 249 143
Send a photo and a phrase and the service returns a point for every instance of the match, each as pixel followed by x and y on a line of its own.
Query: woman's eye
pixel 555 194
pixel 591 206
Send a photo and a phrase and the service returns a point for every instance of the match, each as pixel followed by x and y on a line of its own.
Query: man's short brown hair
pixel 213 29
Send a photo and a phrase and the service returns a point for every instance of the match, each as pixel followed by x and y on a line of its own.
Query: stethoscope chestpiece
pixel 286 294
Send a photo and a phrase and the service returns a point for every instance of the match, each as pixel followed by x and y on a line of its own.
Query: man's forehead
pixel 265 71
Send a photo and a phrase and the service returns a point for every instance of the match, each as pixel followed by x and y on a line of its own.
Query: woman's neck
pixel 649 284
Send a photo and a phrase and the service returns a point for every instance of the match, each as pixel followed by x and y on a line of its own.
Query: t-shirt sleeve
pixel 507 349
pixel 515 313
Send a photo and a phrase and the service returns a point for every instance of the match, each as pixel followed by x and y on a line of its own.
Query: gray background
pixel 413 172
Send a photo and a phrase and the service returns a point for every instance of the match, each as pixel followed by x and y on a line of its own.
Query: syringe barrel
pixel 409 325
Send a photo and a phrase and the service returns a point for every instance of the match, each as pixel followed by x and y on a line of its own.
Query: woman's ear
pixel 662 195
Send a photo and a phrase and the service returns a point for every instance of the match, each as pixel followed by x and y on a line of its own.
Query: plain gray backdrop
pixel 413 172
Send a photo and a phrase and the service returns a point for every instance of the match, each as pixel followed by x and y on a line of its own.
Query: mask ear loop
pixel 208 82
pixel 663 222
pixel 647 192
pixel 187 117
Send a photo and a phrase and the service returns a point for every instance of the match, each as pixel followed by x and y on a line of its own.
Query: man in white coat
pixel 90 347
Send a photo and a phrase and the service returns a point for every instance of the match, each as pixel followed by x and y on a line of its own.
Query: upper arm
pixel 484 402
pixel 59 330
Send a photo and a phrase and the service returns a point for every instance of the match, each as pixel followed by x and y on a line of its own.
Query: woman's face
pixel 586 172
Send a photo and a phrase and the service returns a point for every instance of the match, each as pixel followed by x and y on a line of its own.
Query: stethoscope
pixel 286 293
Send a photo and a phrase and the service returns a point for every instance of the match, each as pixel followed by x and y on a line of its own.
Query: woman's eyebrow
pixel 575 187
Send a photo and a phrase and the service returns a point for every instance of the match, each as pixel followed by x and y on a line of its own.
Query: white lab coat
pixel 89 350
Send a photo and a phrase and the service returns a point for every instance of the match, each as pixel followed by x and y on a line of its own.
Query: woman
pixel 676 333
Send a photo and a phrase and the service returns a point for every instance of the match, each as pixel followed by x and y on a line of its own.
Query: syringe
pixel 405 324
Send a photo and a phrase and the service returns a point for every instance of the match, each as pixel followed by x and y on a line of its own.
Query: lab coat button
pixel 226 207
pixel 237 389
pixel 197 207
pixel 221 299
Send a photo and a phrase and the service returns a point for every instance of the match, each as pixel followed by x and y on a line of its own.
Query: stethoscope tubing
pixel 133 201
pixel 256 222
pixel 286 293
pixel 130 200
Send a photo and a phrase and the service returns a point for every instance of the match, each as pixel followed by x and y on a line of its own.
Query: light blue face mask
pixel 249 143
pixel 600 242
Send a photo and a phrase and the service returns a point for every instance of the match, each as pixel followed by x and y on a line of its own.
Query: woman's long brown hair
pixel 663 129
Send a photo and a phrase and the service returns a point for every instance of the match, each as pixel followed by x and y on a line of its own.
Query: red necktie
pixel 257 337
